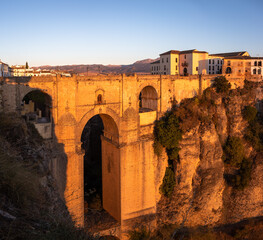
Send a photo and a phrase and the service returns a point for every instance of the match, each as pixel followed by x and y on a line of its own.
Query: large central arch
pixel 110 161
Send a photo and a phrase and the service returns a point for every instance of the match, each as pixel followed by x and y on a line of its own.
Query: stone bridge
pixel 128 107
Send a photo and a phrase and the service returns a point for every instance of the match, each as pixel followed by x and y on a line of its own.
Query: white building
pixel 193 62
pixel 257 66
pixel 19 70
pixel 4 70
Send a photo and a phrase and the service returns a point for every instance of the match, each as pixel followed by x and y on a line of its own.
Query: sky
pixel 56 32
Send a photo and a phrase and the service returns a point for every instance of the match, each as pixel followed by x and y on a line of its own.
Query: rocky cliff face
pixel 202 195
pixel 30 204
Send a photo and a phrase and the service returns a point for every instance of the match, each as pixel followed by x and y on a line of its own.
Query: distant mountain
pixel 140 67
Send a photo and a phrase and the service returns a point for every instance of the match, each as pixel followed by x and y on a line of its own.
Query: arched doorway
pixel 36 108
pixel 100 139
pixel 148 99
pixel 228 70
pixel 185 72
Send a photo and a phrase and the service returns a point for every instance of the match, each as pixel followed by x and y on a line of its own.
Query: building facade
pixel 4 70
pixel 193 62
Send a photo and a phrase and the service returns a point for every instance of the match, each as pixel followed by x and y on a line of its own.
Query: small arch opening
pixel 228 70
pixel 148 99
pixel 36 106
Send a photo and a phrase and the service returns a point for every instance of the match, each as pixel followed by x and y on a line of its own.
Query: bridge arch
pixel 148 98
pixel 36 105
pixel 100 142
pixel 96 111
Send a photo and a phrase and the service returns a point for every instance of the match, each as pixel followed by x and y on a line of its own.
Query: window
pixel 196 68
pixel 217 67
pixel 213 61
pixel 213 68
pixel 99 99
pixel 209 61
pixel 221 61
pixel 164 67
pixel 176 68
pixel 259 71
pixel 209 72
pixel 254 71
pixel 162 60
pixel 255 63
pixel 228 63
pixel 184 56
pixel 176 60
pixel 259 64
pixel 166 59
pixel 209 68
pixel 217 61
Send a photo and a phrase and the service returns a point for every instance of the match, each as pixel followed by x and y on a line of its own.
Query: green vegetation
pixel 168 184
pixel 233 152
pixel 221 84
pixel 254 132
pixel 139 234
pixel 168 133
pixel 242 179
pixel 65 231
pixel 254 135
pixel 235 157
pixel 249 113
pixel 17 181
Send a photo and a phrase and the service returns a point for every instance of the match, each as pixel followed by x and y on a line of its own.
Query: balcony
pixel 147 118
pixel 184 64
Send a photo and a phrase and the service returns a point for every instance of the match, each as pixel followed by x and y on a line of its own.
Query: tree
pixel 221 84
pixel 233 151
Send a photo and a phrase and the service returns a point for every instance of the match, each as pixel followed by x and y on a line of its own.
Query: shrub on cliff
pixel 221 84
pixel 168 184
pixel 168 134
pixel 139 234
pixel 242 179
pixel 254 133
pixel 249 113
pixel 233 152
pixel 17 181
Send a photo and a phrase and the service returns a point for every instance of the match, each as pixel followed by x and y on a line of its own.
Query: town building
pixel 256 66
pixel 192 62
pixel 169 63
pixel 4 70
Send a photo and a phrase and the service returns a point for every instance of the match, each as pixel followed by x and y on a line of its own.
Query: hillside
pixel 140 67
pixel 30 205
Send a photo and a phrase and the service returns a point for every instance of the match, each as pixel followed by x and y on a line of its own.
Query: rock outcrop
pixel 202 196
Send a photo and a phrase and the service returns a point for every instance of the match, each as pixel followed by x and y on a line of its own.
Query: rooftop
pixel 158 61
pixel 231 54
pixel 192 51
pixel 170 52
